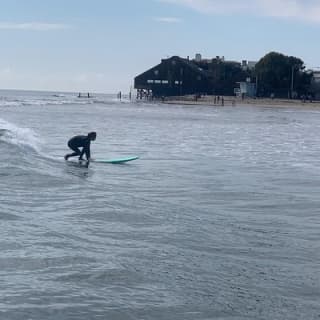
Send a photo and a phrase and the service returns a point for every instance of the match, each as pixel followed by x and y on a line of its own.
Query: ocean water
pixel 218 219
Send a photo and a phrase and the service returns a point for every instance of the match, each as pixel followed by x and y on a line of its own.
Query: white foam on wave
pixel 52 99
pixel 15 135
pixel 39 102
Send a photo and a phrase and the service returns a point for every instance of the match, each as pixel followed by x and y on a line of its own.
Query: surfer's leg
pixel 76 152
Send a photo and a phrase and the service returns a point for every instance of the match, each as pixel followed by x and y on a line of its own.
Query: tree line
pixel 282 76
pixel 276 75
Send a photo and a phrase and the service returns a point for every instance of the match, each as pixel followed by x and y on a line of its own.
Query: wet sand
pixel 235 101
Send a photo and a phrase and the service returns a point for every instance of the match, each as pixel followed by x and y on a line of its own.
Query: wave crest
pixel 23 137
pixel 42 99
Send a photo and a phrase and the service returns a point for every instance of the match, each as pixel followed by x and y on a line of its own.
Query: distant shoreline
pixel 235 101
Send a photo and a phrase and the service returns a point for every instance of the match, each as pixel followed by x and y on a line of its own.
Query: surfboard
pixel 115 161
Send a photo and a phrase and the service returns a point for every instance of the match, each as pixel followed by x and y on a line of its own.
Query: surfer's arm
pixel 86 151
pixel 82 153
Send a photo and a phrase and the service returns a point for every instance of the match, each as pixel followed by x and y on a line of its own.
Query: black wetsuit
pixel 79 142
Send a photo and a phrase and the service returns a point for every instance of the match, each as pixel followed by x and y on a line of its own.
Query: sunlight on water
pixel 218 219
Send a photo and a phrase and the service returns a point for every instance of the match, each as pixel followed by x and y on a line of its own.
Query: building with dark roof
pixel 177 76
pixel 174 77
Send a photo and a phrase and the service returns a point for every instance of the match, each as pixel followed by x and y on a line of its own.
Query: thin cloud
pixel 304 10
pixel 33 26
pixel 167 19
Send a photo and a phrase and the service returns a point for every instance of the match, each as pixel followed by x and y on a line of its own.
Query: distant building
pixel 252 64
pixel 315 84
pixel 177 76
pixel 173 77
pixel 316 76
pixel 198 57
pixel 246 89
pixel 248 65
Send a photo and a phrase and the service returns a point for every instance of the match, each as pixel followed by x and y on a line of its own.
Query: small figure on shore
pixel 215 99
pixel 119 95
pixel 88 95
pixel 79 95
pixel 81 142
pixel 222 101
pixel 197 96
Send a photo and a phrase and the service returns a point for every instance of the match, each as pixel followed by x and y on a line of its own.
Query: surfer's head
pixel 92 136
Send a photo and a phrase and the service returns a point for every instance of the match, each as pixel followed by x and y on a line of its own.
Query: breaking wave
pixel 17 136
pixel 22 155
pixel 47 99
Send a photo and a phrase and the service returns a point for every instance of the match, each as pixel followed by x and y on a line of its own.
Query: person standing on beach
pixel 81 142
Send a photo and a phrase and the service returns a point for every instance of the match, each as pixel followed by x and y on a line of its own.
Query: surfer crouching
pixel 81 142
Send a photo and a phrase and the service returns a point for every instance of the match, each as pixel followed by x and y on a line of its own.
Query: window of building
pixel 150 81
pixel 156 72
pixel 165 81
pixel 157 81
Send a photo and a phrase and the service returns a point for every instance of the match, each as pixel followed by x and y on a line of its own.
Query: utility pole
pixel 292 69
pixel 181 77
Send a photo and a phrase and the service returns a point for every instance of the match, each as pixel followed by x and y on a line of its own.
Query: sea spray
pixel 23 137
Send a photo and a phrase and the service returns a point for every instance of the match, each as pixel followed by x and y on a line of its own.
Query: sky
pixel 101 45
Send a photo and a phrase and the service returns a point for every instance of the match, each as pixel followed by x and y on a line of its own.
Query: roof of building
pixel 188 63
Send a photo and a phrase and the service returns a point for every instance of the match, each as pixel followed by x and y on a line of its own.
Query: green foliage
pixel 282 75
pixel 225 75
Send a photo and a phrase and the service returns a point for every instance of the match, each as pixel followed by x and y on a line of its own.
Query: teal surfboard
pixel 119 160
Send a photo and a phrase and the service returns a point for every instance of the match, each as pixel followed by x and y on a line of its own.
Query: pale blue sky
pixel 100 45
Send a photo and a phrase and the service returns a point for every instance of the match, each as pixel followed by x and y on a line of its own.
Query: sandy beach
pixel 237 101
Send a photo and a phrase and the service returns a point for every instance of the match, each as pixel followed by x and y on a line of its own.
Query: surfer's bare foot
pixel 66 157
